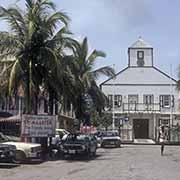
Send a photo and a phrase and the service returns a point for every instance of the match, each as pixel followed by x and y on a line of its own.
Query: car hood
pixel 23 144
pixel 75 143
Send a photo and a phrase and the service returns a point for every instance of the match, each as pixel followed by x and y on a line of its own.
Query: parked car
pixel 24 151
pixel 7 152
pixel 55 148
pixel 79 144
pixel 111 139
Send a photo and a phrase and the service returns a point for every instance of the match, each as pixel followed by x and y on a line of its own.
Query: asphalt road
pixel 131 162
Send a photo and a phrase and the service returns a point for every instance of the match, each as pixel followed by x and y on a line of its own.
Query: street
pixel 131 162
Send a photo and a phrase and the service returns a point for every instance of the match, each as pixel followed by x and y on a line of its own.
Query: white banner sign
pixel 38 125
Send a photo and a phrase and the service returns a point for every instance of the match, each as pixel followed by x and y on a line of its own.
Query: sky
pixel 114 25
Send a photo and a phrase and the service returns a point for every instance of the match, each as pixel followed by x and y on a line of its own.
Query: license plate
pixel 72 151
pixel 111 142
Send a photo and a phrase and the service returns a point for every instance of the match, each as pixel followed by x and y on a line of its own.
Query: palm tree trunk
pixel 51 101
pixel 27 94
pixel 79 112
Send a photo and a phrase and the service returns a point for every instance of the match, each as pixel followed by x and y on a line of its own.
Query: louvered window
pixel 117 100
pixel 166 101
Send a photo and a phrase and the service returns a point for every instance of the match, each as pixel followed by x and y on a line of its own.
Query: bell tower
pixel 140 54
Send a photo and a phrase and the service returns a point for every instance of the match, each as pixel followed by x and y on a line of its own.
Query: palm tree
pixel 84 77
pixel 178 82
pixel 36 45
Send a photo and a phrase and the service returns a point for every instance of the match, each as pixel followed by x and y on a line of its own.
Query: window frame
pixel 117 100
pixel 163 101
pixel 148 99
pixel 140 55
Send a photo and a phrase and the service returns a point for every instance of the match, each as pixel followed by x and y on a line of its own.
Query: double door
pixel 141 128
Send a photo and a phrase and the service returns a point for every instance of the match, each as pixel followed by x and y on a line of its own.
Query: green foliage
pixel 103 120
pixel 85 76
pixel 38 41
pixel 35 43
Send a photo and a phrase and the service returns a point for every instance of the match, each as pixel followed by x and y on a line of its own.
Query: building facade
pixel 142 98
pixel 12 107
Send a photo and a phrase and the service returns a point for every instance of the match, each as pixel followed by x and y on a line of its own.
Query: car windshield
pixel 3 138
pixel 110 134
pixel 79 138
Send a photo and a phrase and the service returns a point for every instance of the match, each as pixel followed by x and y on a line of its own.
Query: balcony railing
pixel 140 107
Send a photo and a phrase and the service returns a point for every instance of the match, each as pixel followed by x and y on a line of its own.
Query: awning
pixel 16 118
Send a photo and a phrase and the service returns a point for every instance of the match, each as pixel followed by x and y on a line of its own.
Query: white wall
pixel 126 90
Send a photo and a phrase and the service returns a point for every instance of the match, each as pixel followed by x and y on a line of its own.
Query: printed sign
pixel 38 125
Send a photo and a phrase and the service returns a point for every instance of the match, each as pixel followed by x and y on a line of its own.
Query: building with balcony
pixel 144 97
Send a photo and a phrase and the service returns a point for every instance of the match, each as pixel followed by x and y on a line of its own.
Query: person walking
pixel 162 137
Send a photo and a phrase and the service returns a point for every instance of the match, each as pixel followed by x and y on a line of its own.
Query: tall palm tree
pixel 35 43
pixel 85 75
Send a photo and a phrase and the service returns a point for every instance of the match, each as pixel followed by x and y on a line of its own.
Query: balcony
pixel 140 107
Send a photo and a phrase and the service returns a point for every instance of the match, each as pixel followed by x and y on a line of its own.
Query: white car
pixel 61 132
pixel 111 139
pixel 26 151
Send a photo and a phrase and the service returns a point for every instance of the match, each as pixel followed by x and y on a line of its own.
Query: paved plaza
pixel 131 162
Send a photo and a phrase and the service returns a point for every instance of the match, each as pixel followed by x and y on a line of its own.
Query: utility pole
pixel 171 96
pixel 113 113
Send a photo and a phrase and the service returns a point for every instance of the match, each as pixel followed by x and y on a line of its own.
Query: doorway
pixel 141 128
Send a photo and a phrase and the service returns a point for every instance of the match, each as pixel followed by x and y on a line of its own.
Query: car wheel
pixel 20 157
pixel 88 153
pixel 119 145
pixel 63 156
pixel 94 153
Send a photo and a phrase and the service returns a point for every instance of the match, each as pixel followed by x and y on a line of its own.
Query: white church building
pixel 144 97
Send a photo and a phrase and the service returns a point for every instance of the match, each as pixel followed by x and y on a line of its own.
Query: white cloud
pixel 106 15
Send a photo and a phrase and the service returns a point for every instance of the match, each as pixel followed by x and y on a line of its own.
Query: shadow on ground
pixel 80 158
pixel 8 165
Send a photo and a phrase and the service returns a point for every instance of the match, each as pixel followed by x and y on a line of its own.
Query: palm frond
pixel 55 18
pixel 15 76
pixel 107 71
pixel 59 39
pixel 14 19
pixel 8 44
pixel 84 49
pixel 95 54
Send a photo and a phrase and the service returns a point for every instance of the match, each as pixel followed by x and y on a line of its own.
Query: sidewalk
pixel 149 142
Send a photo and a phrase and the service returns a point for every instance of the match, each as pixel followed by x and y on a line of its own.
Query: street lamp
pixel 113 101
